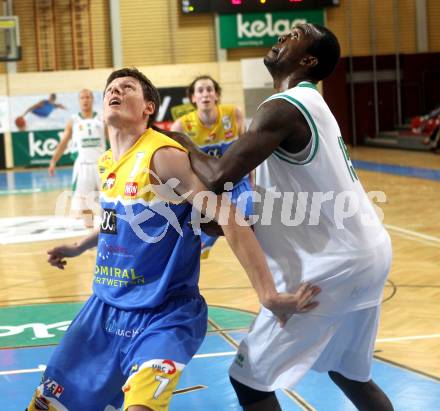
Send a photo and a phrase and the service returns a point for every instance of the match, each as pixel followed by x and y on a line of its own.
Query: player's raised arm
pixel 171 163
pixel 34 107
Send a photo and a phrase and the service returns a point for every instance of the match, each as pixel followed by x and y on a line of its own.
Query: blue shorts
pixel 241 197
pixel 109 356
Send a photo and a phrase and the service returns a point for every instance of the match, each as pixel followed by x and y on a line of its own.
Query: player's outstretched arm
pixel 177 134
pixel 274 122
pixel 33 107
pixel 206 165
pixel 61 147
pixel 170 163
pixel 57 255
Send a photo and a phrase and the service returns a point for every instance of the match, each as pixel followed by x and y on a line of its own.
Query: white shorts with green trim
pixel 85 185
pixel 271 357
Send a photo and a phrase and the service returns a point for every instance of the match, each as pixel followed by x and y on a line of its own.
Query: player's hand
pixel 57 255
pixel 283 305
pixel 51 170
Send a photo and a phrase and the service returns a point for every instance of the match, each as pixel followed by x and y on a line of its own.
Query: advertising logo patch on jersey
pixel 214 152
pixel 110 182
pixel 239 359
pixel 131 189
pixel 53 387
pixel 109 221
pixel 165 366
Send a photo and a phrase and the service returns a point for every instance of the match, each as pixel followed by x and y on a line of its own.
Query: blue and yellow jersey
pixel 147 251
pixel 213 140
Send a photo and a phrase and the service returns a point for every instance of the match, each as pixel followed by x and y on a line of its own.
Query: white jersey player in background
pixel 87 132
pixel 316 224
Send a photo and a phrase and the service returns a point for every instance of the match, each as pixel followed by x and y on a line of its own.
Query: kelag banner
pixel 36 148
pixel 262 29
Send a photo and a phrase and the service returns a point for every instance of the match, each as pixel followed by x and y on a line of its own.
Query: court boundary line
pixel 393 290
pixel 42 367
pixel 408 338
pixel 425 238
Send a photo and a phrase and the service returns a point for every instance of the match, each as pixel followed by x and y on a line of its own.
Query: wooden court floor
pixel 409 334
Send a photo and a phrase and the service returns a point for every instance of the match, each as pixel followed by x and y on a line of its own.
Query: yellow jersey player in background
pixel 213 127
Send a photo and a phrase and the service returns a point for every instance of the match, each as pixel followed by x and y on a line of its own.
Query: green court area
pixel 45 324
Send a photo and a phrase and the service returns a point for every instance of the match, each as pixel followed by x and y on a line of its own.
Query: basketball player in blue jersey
pixel 296 145
pixel 214 127
pixel 146 319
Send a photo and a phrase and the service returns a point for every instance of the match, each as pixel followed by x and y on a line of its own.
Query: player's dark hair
pixel 327 50
pixel 190 90
pixel 150 92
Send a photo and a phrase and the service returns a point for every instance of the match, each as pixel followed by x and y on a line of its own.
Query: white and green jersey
pixel 316 222
pixel 88 137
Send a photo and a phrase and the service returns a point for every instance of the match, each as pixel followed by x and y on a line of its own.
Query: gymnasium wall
pixel 154 32
pixel 24 9
pixel 172 75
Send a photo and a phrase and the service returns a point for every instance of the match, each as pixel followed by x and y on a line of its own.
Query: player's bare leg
pixel 269 404
pixel 254 400
pixel 366 396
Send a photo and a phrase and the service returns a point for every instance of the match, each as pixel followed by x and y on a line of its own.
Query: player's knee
pixel 247 395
